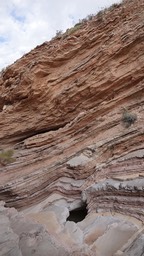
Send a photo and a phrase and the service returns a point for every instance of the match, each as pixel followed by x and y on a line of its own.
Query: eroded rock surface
pixel 126 197
pixel 72 114
pixel 19 236
pixel 46 233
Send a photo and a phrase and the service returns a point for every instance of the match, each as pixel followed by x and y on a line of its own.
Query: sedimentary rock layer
pixel 126 197
pixel 62 108
pixel 72 134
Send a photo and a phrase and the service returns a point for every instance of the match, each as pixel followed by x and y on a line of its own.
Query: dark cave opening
pixel 78 214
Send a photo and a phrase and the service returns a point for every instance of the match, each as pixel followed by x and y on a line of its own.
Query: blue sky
pixel 24 24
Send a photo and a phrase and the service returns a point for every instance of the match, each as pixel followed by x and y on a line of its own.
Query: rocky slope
pixel 72 134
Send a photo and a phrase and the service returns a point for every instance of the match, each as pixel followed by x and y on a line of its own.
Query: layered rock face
pixel 72 134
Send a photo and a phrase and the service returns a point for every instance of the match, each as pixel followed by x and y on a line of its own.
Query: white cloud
pixel 26 23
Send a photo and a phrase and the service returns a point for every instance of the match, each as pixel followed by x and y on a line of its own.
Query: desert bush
pixel 100 16
pixel 113 6
pixel 58 33
pixel 90 17
pixel 70 31
pixel 128 118
pixel 6 157
pixel 83 20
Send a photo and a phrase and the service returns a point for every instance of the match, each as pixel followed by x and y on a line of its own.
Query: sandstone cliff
pixel 72 131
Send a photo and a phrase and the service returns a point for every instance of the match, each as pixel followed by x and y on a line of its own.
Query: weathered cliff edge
pixel 72 111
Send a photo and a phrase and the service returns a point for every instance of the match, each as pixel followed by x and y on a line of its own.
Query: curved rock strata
pixel 126 197
pixel 71 131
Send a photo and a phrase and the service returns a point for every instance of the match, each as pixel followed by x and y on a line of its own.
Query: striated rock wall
pixel 62 107
pixel 71 130
pixel 126 197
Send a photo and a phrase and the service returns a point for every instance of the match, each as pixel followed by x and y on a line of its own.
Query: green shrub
pixel 90 17
pixel 70 31
pixel 128 118
pixel 100 16
pixel 59 33
pixel 113 6
pixel 6 157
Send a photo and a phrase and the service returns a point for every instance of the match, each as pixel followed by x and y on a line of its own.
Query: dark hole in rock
pixel 78 214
